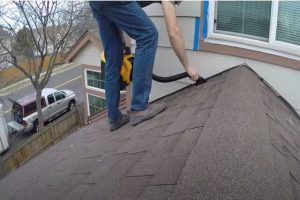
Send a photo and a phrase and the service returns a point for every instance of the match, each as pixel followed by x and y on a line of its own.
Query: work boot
pixel 137 117
pixel 118 124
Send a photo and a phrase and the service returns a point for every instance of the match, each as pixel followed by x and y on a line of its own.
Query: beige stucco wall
pixel 89 55
pixel 185 9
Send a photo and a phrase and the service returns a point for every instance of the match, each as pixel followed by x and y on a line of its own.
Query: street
pixel 69 78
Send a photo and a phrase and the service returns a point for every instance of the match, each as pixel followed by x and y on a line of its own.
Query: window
pixel 32 107
pixel 94 79
pixel 95 104
pixel 29 108
pixel 58 96
pixel 51 99
pixel 267 26
pixel 244 18
pixel 288 22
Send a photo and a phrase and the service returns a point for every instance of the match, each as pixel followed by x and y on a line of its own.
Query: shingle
pixel 155 132
pixel 216 88
pixel 148 164
pixel 154 123
pixel 55 187
pixel 124 165
pixel 109 182
pixel 167 143
pixel 125 132
pixel 278 161
pixel 218 79
pixel 133 186
pixel 104 190
pixel 77 192
pixel 144 142
pixel 199 119
pixel 169 114
pixel 161 192
pixel 294 167
pixel 152 160
pixel 283 141
pixel 181 122
pixel 136 145
pixel 199 98
pixel 171 168
pixel 210 101
pixel 187 141
pixel 295 186
pixel 104 167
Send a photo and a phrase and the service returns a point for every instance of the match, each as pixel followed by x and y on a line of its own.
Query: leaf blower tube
pixel 176 77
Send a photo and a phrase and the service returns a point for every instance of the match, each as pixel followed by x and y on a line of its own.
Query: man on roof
pixel 113 17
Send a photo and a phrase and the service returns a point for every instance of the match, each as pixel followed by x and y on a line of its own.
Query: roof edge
pixel 86 36
pixel 258 76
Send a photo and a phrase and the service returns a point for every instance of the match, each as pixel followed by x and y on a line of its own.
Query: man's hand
pixel 193 73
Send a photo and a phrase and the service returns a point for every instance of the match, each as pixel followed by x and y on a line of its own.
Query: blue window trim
pixel 196 34
pixel 205 19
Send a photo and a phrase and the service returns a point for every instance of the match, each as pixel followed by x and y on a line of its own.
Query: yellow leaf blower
pixel 127 68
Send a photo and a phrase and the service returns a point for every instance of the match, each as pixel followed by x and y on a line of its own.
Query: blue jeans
pixel 112 17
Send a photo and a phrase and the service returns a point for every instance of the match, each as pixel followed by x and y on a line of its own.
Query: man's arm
pixel 176 38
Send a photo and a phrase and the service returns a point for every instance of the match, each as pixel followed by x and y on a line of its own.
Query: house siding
pixel 281 73
pixel 89 54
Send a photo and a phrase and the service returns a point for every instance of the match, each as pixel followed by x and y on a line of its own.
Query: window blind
pixel 288 22
pixel 244 18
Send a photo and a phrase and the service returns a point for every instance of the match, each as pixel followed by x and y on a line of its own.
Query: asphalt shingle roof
pixel 230 138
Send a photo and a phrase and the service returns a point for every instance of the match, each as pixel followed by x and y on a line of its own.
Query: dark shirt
pixel 147 3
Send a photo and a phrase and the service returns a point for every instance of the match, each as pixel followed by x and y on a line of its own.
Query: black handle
pixel 176 77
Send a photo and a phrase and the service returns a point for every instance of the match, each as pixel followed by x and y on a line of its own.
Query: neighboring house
pixel 87 51
pixel 4 55
pixel 220 34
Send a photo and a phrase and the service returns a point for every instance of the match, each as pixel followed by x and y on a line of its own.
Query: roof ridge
pixel 237 111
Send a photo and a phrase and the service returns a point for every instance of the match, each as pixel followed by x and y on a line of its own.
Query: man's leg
pixel 133 20
pixel 113 50
pixel 129 17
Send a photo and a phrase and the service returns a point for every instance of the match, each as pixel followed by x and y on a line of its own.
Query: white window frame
pixel 271 46
pixel 88 104
pixel 94 88
pixel 86 81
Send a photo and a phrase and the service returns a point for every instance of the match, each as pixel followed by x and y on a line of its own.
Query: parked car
pixel 54 103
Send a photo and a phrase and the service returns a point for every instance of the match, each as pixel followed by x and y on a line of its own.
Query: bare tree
pixel 84 22
pixel 47 25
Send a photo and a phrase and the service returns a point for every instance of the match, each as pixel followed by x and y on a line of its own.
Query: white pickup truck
pixel 54 103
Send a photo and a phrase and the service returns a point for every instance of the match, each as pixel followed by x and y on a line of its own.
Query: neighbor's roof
pixel 230 138
pixel 88 36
